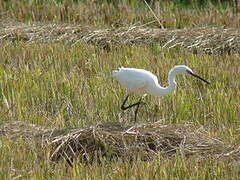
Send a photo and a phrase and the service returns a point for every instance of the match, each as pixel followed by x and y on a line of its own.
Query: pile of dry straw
pixel 114 141
pixel 210 40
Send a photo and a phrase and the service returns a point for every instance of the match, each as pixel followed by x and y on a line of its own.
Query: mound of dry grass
pixel 210 40
pixel 113 141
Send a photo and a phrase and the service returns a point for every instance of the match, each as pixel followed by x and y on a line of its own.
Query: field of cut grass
pixel 64 84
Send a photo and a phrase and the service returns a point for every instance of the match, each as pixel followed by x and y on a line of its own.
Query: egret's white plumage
pixel 135 80
pixel 144 82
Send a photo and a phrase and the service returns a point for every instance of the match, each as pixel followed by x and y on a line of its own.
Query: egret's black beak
pixel 194 75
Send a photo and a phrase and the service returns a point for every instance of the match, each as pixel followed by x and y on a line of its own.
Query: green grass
pixel 60 85
pixel 59 81
pixel 172 14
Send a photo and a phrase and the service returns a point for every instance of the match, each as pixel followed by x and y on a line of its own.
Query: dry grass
pixel 113 141
pixel 210 40
pixel 54 77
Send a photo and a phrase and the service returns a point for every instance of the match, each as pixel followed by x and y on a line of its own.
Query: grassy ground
pixel 62 85
pixel 172 14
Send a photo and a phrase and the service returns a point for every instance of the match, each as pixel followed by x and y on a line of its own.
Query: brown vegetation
pixel 209 40
pixel 113 141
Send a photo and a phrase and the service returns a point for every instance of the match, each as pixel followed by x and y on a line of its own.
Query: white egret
pixel 144 82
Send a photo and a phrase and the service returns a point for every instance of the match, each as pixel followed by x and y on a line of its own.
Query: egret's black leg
pixel 136 111
pixel 132 105
pixel 124 102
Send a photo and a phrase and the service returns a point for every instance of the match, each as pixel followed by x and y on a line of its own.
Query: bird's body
pixel 135 80
pixel 144 82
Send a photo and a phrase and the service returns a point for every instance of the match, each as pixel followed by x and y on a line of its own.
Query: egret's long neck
pixel 171 82
pixel 161 91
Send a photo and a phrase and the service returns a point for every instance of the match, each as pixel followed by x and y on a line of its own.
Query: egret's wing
pixel 130 78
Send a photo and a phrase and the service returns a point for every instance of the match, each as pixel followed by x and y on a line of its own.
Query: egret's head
pixel 182 69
